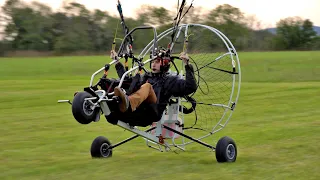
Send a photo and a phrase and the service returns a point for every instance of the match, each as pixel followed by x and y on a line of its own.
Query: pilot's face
pixel 155 65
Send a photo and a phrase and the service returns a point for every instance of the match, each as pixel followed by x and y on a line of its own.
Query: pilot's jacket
pixel 164 85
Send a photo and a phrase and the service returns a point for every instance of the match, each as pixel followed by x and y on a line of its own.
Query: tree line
pixel 74 28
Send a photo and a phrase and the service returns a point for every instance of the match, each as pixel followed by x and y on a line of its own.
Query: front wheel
pixel 83 110
pixel 226 150
pixel 100 148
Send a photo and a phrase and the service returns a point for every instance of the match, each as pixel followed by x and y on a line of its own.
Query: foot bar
pixel 189 137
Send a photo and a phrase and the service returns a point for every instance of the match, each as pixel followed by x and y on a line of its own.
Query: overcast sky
pixel 267 11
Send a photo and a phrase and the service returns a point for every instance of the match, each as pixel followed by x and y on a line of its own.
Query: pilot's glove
pixel 184 56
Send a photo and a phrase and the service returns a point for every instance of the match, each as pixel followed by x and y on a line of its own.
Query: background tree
pixel 35 26
pixel 307 34
pixel 231 21
pixel 294 33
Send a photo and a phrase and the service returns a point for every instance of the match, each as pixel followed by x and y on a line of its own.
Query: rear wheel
pixel 82 110
pixel 226 150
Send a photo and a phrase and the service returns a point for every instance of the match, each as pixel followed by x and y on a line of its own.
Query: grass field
pixel 276 125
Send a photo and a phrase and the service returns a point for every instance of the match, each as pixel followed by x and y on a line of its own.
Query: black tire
pixel 80 109
pixel 99 148
pixel 226 150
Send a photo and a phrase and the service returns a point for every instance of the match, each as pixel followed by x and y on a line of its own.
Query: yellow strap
pixel 186 43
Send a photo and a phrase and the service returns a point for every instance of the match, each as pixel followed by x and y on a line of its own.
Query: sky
pixel 266 11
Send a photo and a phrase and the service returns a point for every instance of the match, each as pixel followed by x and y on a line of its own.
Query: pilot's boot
pixel 124 104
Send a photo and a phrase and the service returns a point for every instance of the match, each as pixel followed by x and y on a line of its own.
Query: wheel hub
pixel 104 150
pixel 231 151
pixel 87 108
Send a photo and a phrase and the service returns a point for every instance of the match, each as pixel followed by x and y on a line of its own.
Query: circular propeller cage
pixel 216 68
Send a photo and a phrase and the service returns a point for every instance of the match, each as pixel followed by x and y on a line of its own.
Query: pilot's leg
pixel 145 93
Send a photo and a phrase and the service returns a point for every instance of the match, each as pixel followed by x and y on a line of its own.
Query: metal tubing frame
pixel 129 139
pixel 144 134
pixel 140 27
pixel 97 72
pixel 189 137
pixel 154 138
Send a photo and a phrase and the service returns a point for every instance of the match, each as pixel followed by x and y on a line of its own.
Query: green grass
pixel 276 125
